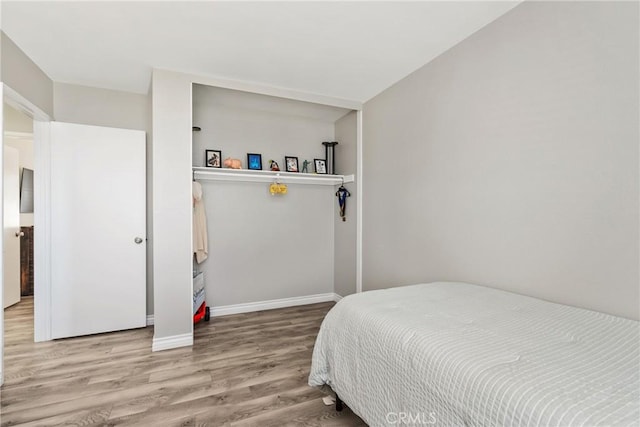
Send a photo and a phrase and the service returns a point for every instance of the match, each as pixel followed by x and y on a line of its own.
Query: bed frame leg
pixel 338 404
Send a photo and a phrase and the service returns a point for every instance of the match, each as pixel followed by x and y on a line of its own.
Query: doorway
pixel 18 217
pixel 38 120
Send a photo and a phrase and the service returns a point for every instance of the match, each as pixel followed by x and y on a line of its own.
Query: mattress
pixel 460 354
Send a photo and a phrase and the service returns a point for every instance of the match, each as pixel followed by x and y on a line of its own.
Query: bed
pixel 460 354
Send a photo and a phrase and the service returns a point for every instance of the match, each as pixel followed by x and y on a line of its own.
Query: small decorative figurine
pixel 273 165
pixel 232 163
pixel 305 164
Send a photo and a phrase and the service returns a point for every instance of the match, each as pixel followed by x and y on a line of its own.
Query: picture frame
pixel 291 164
pixel 213 158
pixel 321 166
pixel 254 161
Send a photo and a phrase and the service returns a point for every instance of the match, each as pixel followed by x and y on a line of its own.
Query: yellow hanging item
pixel 277 188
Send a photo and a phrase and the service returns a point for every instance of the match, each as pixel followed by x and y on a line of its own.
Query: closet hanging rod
pixel 247 175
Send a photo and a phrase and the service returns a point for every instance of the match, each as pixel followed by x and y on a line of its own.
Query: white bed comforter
pixel 459 354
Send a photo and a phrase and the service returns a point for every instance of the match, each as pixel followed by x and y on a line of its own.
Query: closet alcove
pixel 265 248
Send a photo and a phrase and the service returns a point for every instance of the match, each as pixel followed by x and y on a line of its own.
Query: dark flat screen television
pixel 26 191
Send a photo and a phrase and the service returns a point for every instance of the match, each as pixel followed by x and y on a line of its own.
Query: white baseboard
pixel 271 304
pixel 173 341
pixel 262 305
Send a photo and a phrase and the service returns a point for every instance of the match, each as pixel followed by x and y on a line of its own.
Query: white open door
pixel 98 223
pixel 11 219
pixel 2 246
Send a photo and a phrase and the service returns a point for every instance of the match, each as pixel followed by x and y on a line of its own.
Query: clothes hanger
pixel 342 195
pixel 343 189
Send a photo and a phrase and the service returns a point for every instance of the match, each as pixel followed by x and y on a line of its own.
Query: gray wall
pixel 345 232
pixel 512 161
pixel 239 123
pixel 23 76
pixel 100 107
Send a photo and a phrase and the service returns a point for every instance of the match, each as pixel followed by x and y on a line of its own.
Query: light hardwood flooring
pixel 243 370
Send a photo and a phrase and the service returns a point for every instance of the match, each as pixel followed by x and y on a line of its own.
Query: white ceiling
pixel 350 50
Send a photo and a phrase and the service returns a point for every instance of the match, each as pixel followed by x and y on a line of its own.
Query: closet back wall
pixel 239 123
pixel 264 247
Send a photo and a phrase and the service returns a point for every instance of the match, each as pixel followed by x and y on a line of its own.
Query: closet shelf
pixel 247 175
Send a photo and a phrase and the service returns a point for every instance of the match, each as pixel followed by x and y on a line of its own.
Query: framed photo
pixel 321 165
pixel 291 163
pixel 213 158
pixel 254 161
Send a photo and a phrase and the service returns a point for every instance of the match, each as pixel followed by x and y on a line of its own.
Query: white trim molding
pixel 42 231
pixel 22 104
pixel 174 341
pixel 359 186
pixel 337 297
pixel 272 304
pixel 150 320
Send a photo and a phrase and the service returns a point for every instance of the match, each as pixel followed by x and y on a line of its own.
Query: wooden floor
pixel 243 370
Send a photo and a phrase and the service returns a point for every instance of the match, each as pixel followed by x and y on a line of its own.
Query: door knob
pixel 138 240
pixel 19 233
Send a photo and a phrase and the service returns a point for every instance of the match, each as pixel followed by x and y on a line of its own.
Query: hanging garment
pixel 200 246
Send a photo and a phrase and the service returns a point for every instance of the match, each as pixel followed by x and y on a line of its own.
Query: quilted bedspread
pixel 459 354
